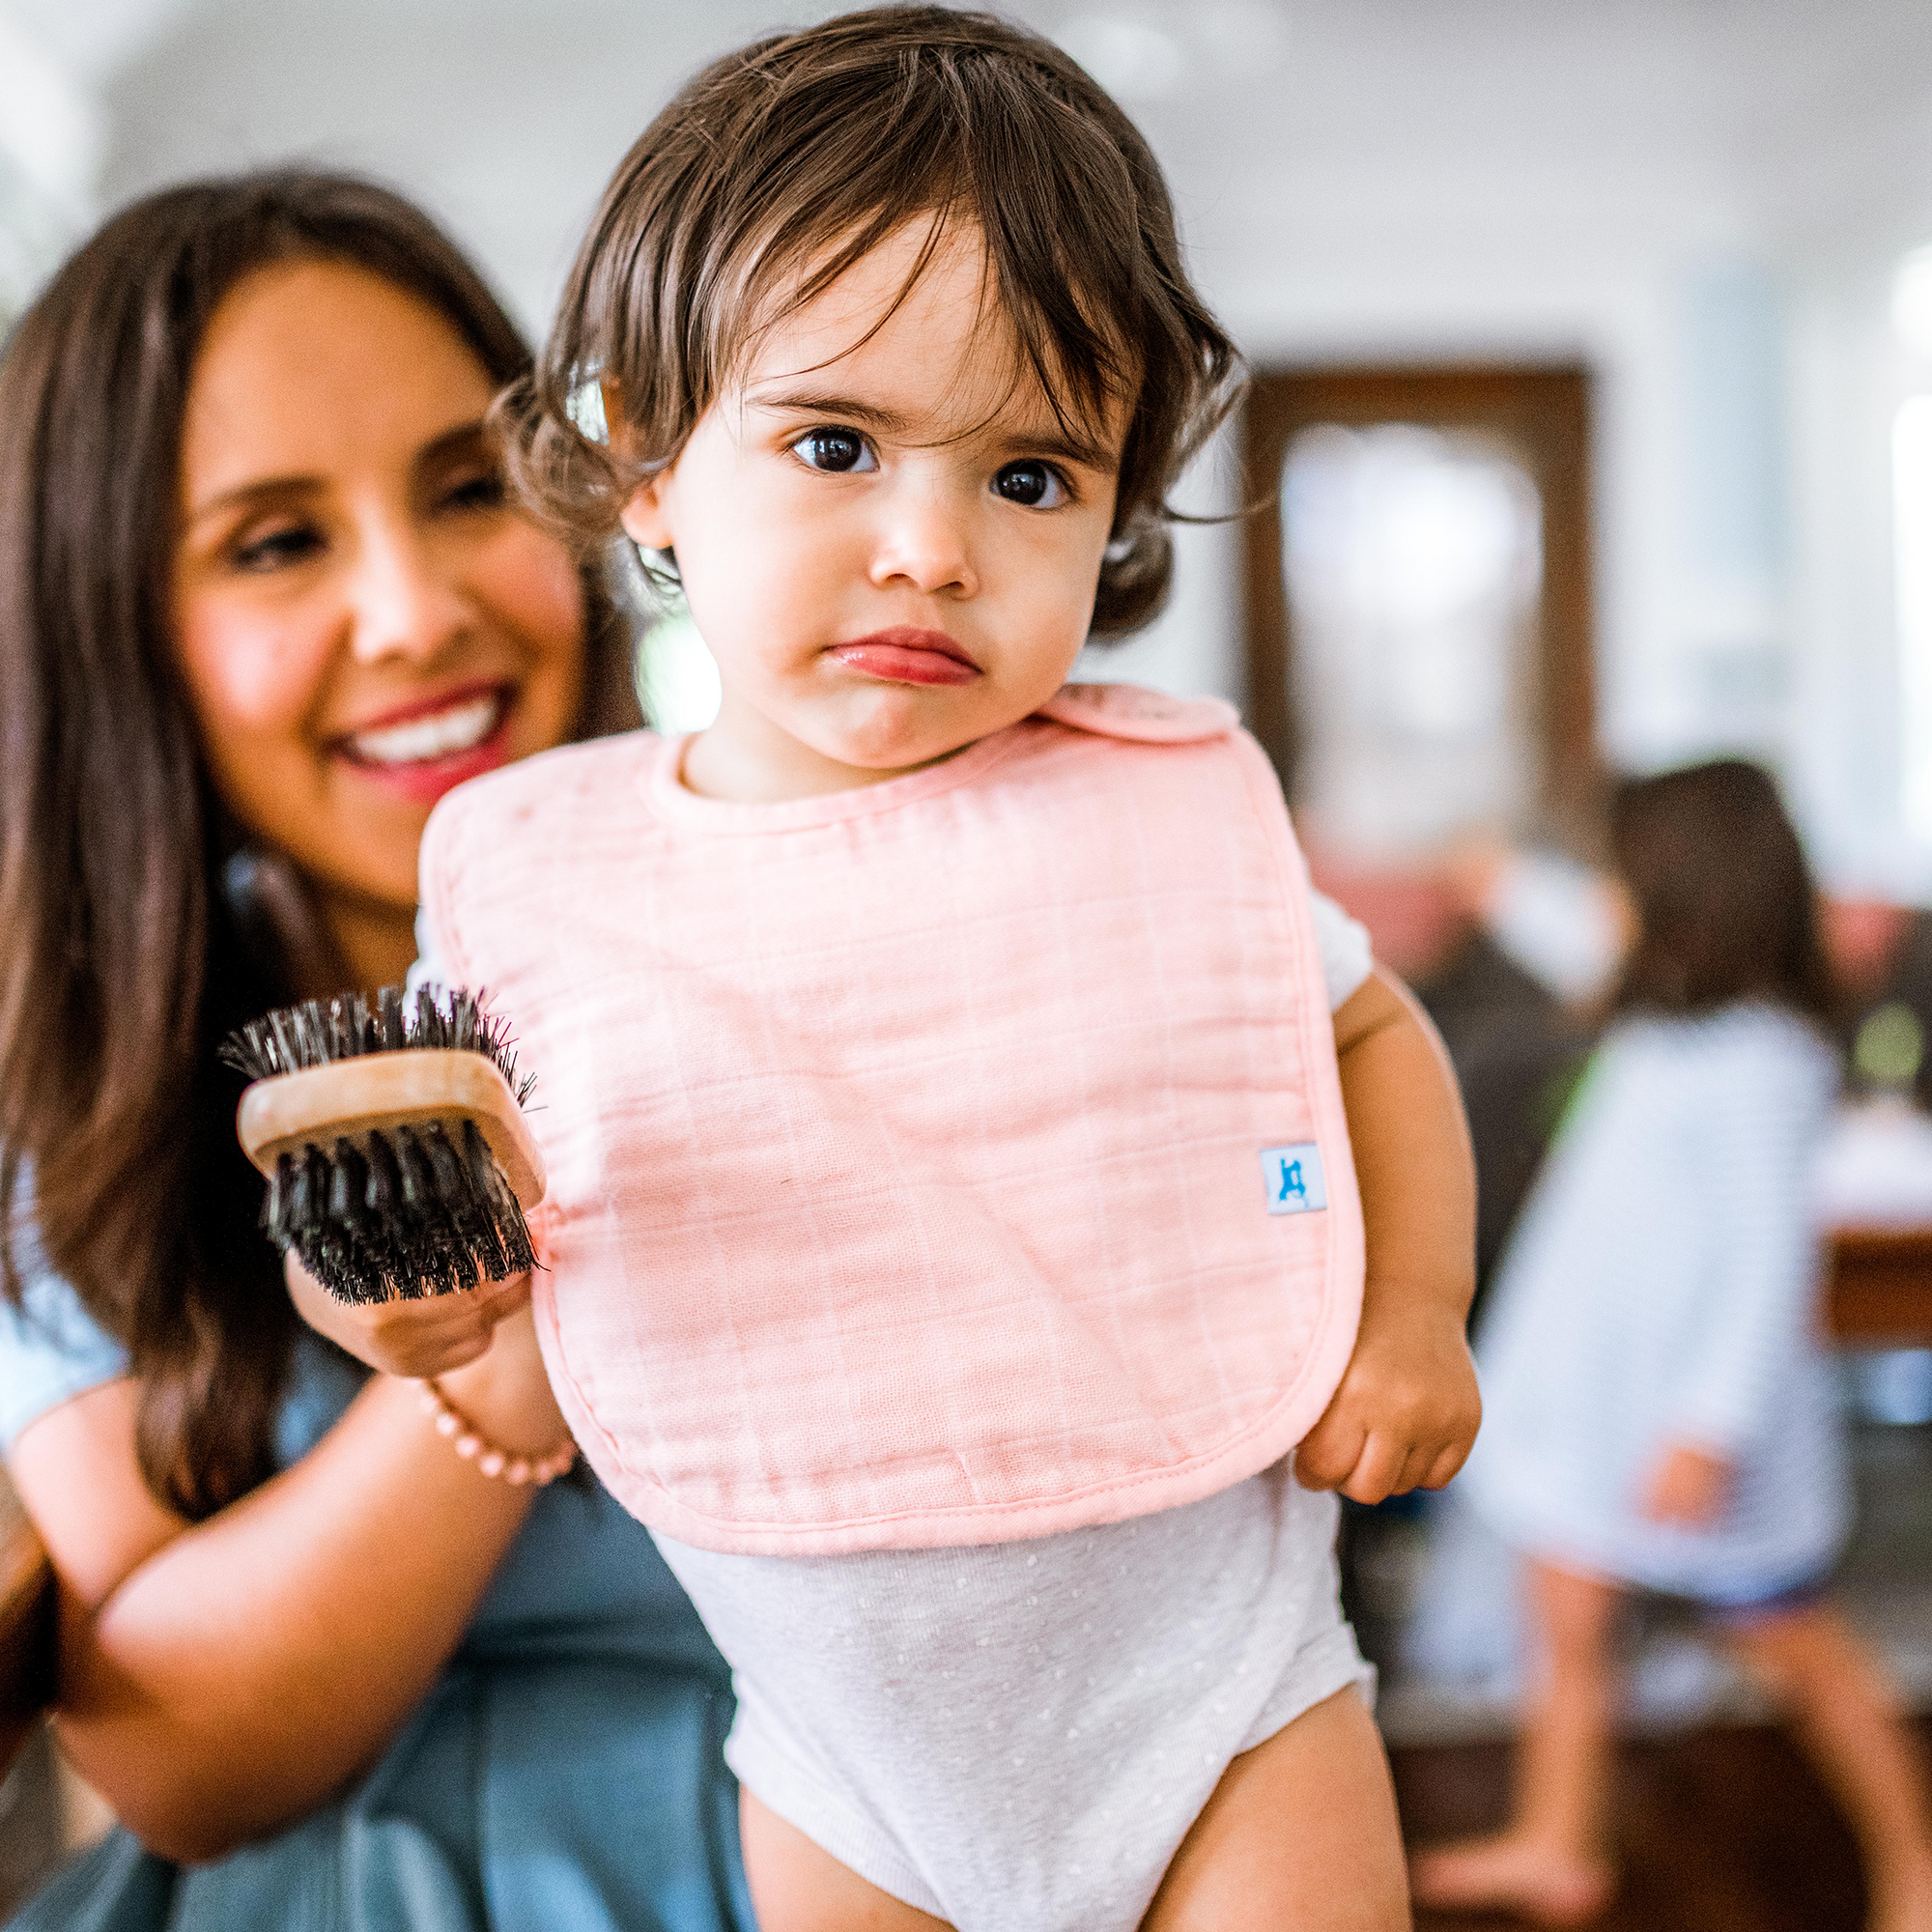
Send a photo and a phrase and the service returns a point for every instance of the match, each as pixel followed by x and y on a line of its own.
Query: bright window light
pixel 678 677
pixel 1911 303
pixel 1912 547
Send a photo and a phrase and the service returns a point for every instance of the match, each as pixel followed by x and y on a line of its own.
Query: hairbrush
pixel 393 1141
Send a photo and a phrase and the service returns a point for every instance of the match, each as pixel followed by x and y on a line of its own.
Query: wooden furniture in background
pixel 26 1627
pixel 1879 1287
pixel 1542 414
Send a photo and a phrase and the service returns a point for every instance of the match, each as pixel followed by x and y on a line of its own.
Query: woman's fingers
pixel 427 1337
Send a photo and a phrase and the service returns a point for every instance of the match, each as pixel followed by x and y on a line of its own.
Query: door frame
pixel 1544 410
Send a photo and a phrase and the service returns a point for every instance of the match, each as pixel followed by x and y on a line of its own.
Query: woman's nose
pixel 403 602
pixel 924 542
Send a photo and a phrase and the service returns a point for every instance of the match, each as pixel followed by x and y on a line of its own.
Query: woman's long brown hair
pixel 122 961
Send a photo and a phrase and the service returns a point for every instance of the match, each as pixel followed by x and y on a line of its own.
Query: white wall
pixel 1701 200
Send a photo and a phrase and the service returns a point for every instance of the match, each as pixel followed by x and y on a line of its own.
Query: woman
pixel 262 602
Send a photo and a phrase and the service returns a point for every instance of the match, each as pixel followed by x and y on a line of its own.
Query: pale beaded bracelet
pixel 491 1460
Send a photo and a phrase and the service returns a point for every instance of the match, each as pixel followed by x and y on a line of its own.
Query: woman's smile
pixel 424 749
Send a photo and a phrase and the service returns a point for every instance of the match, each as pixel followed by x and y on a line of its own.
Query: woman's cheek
pixel 253 686
pixel 532 586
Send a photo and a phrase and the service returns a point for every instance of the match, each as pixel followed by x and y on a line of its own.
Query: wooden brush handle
pixel 378 1090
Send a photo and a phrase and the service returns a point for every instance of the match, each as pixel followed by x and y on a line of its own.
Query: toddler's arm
pixel 1405 1413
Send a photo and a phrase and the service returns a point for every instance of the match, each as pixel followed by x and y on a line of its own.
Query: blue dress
pixel 1662 1288
pixel 566 1770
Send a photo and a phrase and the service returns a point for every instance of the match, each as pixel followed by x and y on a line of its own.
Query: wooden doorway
pixel 1522 427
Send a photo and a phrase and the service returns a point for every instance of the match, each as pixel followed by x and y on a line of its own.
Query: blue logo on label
pixel 1294 1180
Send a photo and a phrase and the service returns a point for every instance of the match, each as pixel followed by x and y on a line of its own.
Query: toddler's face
pixel 891 548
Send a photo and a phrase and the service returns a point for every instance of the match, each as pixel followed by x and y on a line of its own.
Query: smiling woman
pixel 362 623
pixel 264 599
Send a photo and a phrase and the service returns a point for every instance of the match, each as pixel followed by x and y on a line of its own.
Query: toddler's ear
pixel 642 516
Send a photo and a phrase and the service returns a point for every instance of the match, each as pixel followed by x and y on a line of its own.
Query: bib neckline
pixel 1121 711
pixel 671 799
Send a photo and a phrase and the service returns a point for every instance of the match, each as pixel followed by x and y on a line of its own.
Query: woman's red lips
pixel 424 748
pixel 905 655
pixel 427 705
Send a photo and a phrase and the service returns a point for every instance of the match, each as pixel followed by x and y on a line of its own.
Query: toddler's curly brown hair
pixel 780 165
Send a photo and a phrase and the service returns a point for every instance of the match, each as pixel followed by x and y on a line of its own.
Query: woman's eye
pixel 485 491
pixel 1034 486
pixel 277 549
pixel 842 451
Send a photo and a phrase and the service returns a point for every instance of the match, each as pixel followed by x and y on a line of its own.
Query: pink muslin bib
pixel 955 1160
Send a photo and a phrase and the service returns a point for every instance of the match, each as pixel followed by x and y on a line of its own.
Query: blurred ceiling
pixel 1775 116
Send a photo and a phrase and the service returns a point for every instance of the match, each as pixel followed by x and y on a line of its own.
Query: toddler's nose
pixel 923 543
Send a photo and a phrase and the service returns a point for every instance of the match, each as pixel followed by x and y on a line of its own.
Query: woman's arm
pixel 220 1680
pixel 1405 1413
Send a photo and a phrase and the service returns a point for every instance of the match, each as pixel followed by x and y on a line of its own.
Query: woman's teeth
pixel 441 735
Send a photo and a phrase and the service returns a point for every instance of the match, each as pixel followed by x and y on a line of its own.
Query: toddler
pixel 952 1227
pixel 1661 1412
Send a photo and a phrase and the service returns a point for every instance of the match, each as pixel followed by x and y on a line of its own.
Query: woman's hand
pixel 506 1392
pixel 481 1346
pixel 1687 1486
pixel 428 1337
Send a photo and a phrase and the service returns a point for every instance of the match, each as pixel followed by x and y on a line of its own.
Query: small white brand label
pixel 1294 1181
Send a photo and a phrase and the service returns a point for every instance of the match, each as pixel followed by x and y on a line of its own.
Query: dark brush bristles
pixel 319 1032
pixel 413 1211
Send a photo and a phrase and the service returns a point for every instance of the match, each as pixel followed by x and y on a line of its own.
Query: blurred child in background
pixel 1659 1412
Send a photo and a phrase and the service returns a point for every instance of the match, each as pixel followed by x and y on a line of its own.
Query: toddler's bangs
pixel 1081 374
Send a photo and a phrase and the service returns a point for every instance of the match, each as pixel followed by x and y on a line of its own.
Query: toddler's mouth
pixel 906 655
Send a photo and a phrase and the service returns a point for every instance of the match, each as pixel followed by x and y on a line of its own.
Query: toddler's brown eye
pixel 1034 486
pixel 842 451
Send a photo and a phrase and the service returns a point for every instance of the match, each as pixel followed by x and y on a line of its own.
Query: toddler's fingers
pixel 1378 1473
pixel 1329 1453
pixel 1442 1471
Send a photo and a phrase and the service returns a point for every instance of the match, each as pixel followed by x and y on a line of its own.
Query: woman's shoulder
pixel 51 1349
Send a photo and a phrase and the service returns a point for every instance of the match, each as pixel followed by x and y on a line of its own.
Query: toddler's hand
pixel 429 1336
pixel 1687 1486
pixel 1405 1416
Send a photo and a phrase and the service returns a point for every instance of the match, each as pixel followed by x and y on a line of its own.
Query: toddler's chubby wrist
pixel 1411 1365
pixel 1415 1305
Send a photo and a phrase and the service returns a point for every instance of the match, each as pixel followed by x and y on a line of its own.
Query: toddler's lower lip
pixel 899 663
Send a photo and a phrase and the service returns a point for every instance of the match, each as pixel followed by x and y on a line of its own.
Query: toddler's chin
pixel 895 732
